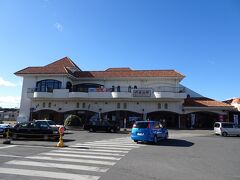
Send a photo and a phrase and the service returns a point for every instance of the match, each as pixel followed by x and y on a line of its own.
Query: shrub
pixel 73 120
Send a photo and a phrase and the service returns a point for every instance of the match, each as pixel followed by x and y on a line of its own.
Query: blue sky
pixel 200 39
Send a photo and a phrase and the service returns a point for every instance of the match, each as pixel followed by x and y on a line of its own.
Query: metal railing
pixel 117 89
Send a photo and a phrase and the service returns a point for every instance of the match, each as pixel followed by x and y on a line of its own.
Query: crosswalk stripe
pixel 102 147
pixel 9 156
pixel 9 146
pixel 60 166
pixel 87 152
pixel 96 150
pixel 88 161
pixel 107 145
pixel 47 174
pixel 114 143
pixel 81 156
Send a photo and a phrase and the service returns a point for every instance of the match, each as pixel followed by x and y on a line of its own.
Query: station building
pixel 61 88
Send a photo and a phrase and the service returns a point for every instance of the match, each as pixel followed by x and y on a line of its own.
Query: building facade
pixel 61 88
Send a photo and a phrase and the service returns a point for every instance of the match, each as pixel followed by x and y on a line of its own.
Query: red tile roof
pixel 57 67
pixel 203 102
pixel 67 66
pixel 130 73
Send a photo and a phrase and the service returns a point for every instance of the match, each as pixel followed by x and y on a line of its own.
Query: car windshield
pixel 141 125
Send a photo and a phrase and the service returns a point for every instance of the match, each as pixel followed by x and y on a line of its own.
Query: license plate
pixel 140 134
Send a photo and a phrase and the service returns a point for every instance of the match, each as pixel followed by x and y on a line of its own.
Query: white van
pixel 226 128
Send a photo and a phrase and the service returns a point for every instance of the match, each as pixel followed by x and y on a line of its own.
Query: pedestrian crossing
pixel 82 161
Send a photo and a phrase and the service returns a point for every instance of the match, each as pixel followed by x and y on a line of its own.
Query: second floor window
pixel 48 85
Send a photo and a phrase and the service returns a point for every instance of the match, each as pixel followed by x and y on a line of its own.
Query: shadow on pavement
pixel 172 142
pixel 176 143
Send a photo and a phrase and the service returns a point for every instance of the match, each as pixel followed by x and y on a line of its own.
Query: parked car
pixel 148 131
pixel 226 129
pixel 52 124
pixel 103 125
pixel 3 128
pixel 34 130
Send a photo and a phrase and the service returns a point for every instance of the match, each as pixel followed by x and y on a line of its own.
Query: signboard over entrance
pixel 141 92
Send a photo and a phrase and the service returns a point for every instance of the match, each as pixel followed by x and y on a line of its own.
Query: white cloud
pixel 6 83
pixel 10 101
pixel 58 26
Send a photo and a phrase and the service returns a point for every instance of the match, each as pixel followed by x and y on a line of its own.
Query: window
pixel 159 106
pixel 125 105
pixel 44 104
pixel 166 106
pixel 118 105
pixel 48 85
pixel 135 87
pixel 49 105
pixel 83 105
pixel 77 105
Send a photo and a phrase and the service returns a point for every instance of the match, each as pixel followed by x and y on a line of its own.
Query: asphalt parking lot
pixel 186 155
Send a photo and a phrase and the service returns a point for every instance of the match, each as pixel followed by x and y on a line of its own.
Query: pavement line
pixel 101 147
pixel 87 152
pixel 96 150
pixel 107 145
pixel 60 166
pixel 9 146
pixel 47 174
pixel 81 156
pixel 87 161
pixel 13 156
pixel 114 143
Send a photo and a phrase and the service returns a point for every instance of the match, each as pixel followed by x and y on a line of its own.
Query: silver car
pixel 226 129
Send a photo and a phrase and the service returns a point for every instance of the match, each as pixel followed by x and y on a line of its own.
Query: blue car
pixel 148 131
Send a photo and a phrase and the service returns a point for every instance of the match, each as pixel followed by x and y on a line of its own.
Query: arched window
pixel 118 89
pixel 48 85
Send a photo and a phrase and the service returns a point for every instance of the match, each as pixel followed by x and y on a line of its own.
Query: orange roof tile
pixel 67 66
pixel 203 102
pixel 57 67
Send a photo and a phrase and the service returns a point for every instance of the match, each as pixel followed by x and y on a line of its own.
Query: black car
pixel 33 130
pixel 102 125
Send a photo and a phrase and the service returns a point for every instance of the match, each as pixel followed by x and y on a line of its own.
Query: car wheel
pixel 111 130
pixel 224 134
pixel 135 141
pixel 155 140
pixel 90 129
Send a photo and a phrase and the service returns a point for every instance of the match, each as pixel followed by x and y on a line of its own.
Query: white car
pixel 226 129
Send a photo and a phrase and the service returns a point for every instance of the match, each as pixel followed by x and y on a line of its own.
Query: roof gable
pixel 57 67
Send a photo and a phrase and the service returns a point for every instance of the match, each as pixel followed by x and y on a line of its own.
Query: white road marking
pixel 107 145
pixel 101 147
pixel 96 150
pixel 10 156
pixel 47 174
pixel 55 165
pixel 87 152
pixel 81 156
pixel 88 161
pixel 9 146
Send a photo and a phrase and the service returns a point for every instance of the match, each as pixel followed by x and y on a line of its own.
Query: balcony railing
pixel 122 92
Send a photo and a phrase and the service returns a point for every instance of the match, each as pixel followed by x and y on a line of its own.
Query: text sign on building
pixel 141 92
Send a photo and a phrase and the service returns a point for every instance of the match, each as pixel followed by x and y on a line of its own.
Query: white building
pixel 61 88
